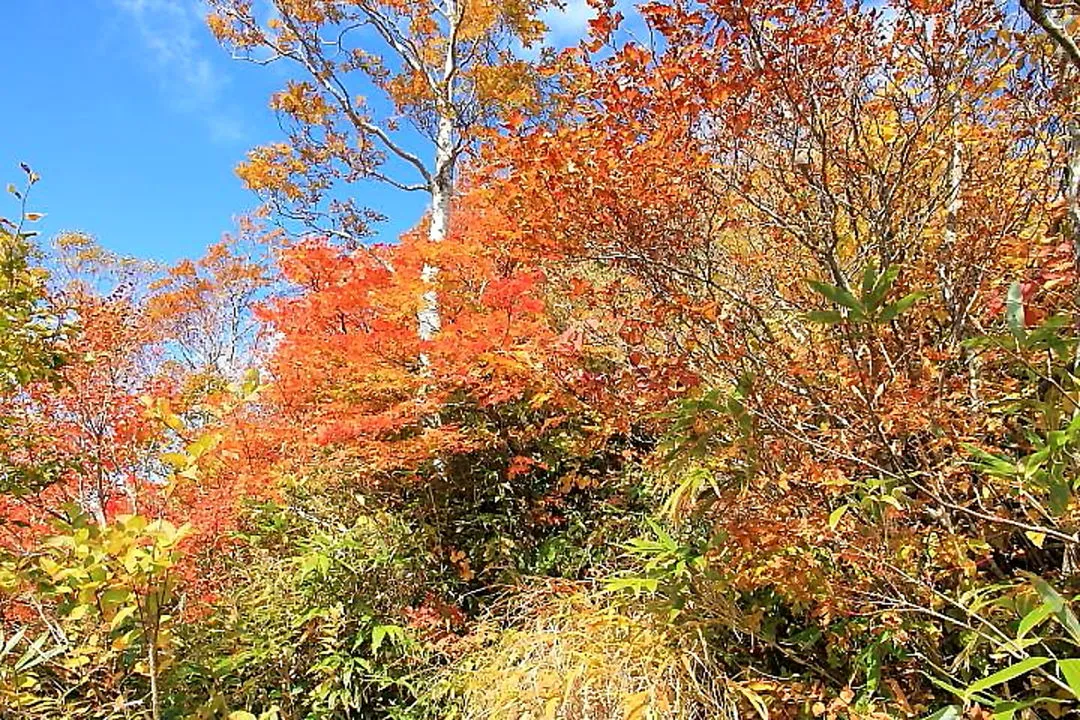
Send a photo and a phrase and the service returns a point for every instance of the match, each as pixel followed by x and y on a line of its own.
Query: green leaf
pixel 377 637
pixel 840 296
pixel 1007 709
pixel 666 541
pixel 35 655
pixel 394 633
pixel 1014 311
pixel 114 597
pixel 825 317
pixel 1070 670
pixel 882 287
pixel 901 306
pixel 122 614
pixel 990 463
pixel 12 642
pixel 949 712
pixel 1060 494
pixel 1033 619
pixel 869 279
pixel 1004 675
pixel 637 585
pixel 78 612
pixel 954 690
pixel 1062 612
pixel 837 515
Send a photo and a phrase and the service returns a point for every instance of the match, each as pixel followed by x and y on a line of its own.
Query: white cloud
pixel 176 42
pixel 570 24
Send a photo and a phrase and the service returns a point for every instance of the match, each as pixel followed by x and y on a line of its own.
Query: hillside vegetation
pixel 733 373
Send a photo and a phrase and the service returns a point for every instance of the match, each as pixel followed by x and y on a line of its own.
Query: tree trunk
pixel 951 285
pixel 155 699
pixel 1070 185
pixel 442 185
pixel 442 180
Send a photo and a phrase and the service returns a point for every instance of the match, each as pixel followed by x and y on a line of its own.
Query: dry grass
pixel 577 656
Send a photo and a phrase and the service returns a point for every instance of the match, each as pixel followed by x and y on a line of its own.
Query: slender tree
pixel 447 67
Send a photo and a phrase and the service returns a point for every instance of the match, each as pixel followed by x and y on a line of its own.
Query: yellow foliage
pixel 572 656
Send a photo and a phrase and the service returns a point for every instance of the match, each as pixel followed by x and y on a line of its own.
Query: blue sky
pixel 135 118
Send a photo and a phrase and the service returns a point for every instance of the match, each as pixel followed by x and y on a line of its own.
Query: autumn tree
pixel 808 211
pixel 447 67
pixel 31 327
pixel 1058 23
pixel 203 308
pixel 144 350
pixel 34 333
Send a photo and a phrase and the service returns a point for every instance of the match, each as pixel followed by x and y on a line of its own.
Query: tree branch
pixel 1037 11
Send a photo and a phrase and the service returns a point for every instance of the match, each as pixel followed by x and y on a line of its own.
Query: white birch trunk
pixel 442 179
pixel 956 305
pixel 442 183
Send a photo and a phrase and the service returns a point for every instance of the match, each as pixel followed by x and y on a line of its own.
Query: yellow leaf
pixel 836 516
pixel 755 700
pixel 635 706
pixel 538 400
pixel 78 612
pixel 178 461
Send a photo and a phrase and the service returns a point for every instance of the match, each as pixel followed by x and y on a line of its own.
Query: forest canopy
pixel 731 372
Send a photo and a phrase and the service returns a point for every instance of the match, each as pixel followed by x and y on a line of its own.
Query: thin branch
pixel 338 91
pixel 1036 10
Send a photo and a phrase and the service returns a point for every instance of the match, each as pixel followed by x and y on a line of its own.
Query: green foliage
pixel 870 306
pixel 1021 647
pixel 1048 470
pixel 1034 637
pixel 317 632
pixel 668 566
pixel 19 656
pixel 871 497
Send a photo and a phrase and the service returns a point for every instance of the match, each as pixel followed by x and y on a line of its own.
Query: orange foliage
pixel 684 193
pixel 350 367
